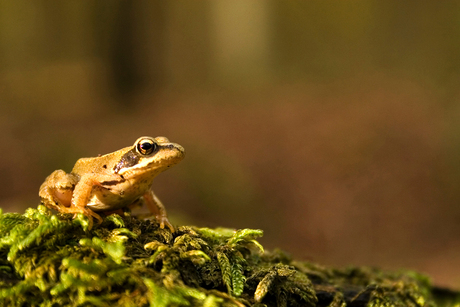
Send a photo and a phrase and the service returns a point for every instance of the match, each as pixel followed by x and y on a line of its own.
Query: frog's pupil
pixel 146 147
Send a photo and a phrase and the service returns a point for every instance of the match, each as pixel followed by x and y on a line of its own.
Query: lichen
pixel 55 260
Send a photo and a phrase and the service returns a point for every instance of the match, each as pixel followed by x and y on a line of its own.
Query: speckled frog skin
pixel 113 181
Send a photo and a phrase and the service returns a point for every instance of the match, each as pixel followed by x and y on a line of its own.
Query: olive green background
pixel 332 125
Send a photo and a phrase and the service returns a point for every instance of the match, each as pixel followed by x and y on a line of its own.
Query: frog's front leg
pixel 80 198
pixel 56 192
pixel 157 208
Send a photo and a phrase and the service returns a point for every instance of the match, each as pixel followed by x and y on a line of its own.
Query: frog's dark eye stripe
pixel 146 146
pixel 129 159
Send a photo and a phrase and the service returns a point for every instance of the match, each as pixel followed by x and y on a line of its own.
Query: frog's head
pixel 148 156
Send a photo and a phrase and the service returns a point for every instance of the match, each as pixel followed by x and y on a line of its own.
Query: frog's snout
pixel 173 146
pixel 174 151
pixel 180 149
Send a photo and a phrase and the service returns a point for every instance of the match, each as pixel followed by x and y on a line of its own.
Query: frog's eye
pixel 146 146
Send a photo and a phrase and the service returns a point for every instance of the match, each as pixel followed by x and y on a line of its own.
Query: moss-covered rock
pixel 54 260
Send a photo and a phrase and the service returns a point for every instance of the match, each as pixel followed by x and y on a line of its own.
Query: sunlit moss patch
pixel 54 260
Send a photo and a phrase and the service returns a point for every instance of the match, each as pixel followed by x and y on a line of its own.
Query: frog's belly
pixel 109 201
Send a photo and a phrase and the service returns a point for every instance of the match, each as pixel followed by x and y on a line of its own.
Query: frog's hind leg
pixel 56 191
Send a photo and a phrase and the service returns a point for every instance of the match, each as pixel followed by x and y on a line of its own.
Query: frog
pixel 114 181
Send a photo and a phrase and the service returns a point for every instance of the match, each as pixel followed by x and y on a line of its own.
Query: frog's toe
pixel 90 214
pixel 98 217
pixel 86 212
pixel 164 221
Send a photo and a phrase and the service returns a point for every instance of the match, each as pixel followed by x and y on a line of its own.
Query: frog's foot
pixel 55 199
pixel 164 220
pixel 53 204
pixel 90 214
pixel 157 208
pixel 85 211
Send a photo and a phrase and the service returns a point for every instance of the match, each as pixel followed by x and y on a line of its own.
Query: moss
pixel 54 260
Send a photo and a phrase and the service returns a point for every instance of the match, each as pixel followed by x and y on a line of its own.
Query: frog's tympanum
pixel 113 181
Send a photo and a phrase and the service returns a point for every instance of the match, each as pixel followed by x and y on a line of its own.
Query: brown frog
pixel 113 181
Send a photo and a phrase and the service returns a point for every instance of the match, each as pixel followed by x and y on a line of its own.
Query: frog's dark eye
pixel 146 146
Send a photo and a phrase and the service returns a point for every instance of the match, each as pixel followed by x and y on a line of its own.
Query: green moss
pixel 54 260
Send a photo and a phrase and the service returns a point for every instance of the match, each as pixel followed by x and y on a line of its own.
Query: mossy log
pixel 54 260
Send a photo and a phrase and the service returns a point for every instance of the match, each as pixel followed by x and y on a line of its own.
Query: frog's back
pixel 85 165
pixel 102 164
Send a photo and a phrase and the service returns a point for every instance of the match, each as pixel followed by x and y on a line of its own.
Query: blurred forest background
pixel 331 125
